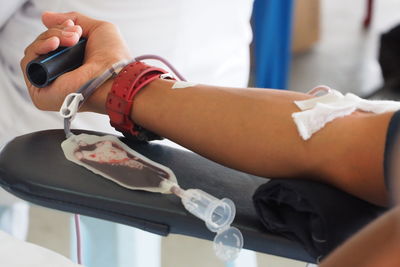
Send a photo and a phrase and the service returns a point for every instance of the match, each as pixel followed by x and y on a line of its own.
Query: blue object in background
pixel 272 30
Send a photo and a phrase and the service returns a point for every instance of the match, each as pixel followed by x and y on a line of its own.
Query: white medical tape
pixel 183 84
pixel 327 98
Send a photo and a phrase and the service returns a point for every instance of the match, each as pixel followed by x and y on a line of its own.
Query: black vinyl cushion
pixel 34 168
pixel 317 215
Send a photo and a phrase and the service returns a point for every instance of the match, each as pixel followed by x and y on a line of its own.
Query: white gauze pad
pixel 318 111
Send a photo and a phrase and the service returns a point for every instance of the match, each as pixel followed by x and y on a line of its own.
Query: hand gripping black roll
pixel 46 68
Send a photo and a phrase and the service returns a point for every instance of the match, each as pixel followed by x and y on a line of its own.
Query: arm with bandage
pixel 247 129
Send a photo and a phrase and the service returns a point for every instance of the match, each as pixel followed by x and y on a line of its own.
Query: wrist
pixel 120 99
pixel 97 101
pixel 150 102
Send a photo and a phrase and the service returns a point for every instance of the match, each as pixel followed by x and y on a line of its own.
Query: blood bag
pixel 110 158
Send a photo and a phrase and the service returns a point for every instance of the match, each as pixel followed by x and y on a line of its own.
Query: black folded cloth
pixel 316 215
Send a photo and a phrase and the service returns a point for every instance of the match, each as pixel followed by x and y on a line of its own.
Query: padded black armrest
pixel 33 167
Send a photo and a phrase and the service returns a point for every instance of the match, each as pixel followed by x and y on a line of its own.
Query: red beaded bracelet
pixel 132 78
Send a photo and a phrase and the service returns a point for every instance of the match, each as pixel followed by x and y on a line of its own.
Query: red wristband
pixel 127 84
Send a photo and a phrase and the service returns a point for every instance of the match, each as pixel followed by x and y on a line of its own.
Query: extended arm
pixel 252 130
pixel 247 129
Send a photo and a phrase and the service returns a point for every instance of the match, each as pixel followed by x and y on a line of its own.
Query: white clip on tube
pixel 70 105
pixel 69 109
pixel 218 214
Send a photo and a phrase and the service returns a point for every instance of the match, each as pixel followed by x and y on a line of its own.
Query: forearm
pixel 252 130
pixel 248 129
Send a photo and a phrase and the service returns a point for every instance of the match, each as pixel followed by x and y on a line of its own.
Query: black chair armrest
pixel 33 167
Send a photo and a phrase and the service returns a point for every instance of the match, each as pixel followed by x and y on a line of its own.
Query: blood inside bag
pixel 123 167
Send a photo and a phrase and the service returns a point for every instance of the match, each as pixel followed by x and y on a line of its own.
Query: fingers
pixel 67 23
pixel 52 19
pixel 45 46
pixel 52 39
pixel 63 34
pixel 68 36
pixel 65 29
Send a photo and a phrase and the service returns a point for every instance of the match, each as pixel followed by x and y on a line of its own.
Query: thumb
pixel 53 19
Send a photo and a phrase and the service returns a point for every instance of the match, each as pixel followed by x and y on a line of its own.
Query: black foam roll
pixel 46 68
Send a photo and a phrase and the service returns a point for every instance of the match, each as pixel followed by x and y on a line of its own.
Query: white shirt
pixel 17 253
pixel 207 41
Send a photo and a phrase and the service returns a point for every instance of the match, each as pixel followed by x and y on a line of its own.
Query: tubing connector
pixel 218 214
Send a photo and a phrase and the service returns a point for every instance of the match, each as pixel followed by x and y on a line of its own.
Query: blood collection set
pixel 111 159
